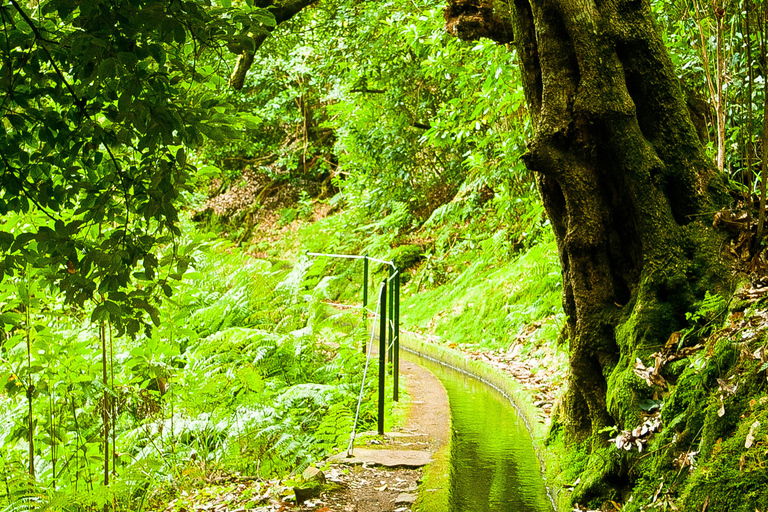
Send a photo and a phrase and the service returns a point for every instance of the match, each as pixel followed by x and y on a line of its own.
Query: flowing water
pixel 493 465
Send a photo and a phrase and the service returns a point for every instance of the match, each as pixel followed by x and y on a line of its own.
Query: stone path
pixel 384 477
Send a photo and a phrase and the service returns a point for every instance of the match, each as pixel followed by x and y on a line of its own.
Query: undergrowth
pixel 248 371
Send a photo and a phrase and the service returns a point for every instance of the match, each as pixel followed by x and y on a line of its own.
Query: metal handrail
pixel 353 257
pixel 389 320
pixel 351 445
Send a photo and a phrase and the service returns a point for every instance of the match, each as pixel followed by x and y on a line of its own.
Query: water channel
pixel 493 465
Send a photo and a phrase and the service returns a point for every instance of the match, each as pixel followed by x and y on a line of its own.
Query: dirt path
pixel 389 485
pixel 429 412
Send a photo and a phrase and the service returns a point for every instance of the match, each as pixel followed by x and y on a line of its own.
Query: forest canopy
pixel 629 138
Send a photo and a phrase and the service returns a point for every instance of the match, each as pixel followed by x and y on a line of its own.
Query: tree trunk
pixel 626 185
pixel 282 10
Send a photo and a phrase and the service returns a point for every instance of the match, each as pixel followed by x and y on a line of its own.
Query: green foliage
pixel 707 318
pixel 103 101
pixel 220 384
pixel 690 31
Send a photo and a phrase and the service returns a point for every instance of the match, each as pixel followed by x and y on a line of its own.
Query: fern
pixel 314 395
pixel 294 282
pixel 703 319
pixel 335 427
pixel 26 504
pixel 711 307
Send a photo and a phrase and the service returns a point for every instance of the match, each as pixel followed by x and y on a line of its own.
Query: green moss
pixel 436 478
pixel 672 371
pixel 406 256
pixel 684 408
pixel 625 392
pixel 603 478
pixel 649 323
pixel 733 478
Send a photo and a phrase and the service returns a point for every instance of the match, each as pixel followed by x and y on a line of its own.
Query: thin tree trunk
pixel 105 405
pixel 764 166
pixel 52 415
pixel 30 393
pixel 721 98
pixel 715 87
pixel 113 403
pixel 750 117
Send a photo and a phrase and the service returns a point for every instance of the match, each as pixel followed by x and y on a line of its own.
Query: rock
pixel 307 491
pixel 312 474
pixel 406 256
pixel 405 498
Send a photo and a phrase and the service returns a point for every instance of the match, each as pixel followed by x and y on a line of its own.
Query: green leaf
pixel 158 53
pixel 6 240
pixel 154 314
pixel 107 69
pixel 10 318
pixel 251 121
pixel 124 103
pixel 181 157
pixel 208 171
pixel 99 314
pixel 114 310
pixel 179 34
pixel 128 59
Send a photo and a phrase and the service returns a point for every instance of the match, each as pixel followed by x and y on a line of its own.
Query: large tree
pixel 625 182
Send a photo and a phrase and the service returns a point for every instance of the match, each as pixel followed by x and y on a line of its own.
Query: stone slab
pixel 388 458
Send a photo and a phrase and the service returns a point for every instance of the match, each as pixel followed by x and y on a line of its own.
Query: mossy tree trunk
pixel 625 182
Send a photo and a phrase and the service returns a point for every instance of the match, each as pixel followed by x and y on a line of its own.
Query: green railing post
pixel 396 339
pixel 365 297
pixel 390 312
pixel 382 353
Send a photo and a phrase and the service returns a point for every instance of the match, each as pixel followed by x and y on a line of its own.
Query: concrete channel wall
pixel 519 397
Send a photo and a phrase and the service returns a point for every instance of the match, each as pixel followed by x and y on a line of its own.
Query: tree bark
pixel 627 187
pixel 282 10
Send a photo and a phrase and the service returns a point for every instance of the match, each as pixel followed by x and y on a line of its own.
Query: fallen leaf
pixel 751 435
pixel 727 387
pixel 658 491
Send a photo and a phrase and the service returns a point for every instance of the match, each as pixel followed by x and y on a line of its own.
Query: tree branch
pixel 39 36
pixel 282 12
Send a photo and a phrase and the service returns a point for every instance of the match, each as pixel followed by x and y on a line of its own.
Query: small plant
pixel 704 320
pixel 306 205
